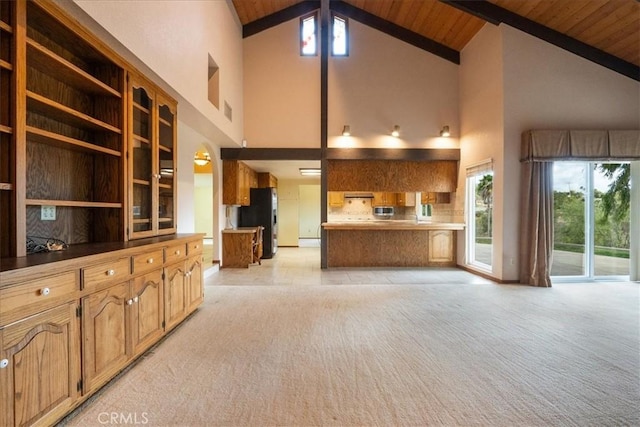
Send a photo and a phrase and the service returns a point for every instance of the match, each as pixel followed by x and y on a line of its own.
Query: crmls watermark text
pixel 122 418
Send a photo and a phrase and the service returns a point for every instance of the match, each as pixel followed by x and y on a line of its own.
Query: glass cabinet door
pixel 166 162
pixel 143 176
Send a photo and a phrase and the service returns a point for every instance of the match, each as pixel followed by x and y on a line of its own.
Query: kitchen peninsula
pixel 389 243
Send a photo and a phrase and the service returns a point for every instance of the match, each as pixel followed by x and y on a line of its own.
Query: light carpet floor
pixel 390 354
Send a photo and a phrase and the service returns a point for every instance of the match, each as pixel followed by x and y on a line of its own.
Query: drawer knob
pixel 130 302
pixel 150 261
pixel 135 299
pixel 4 363
pixel 45 291
pixel 111 272
pixel 177 252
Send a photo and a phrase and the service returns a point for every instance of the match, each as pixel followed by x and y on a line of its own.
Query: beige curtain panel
pixel 595 145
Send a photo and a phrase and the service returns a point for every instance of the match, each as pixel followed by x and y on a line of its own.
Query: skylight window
pixel 308 35
pixel 340 30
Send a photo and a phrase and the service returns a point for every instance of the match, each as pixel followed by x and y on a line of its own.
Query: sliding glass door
pixel 479 236
pixel 591 220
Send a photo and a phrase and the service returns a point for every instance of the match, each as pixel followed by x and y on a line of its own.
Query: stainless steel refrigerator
pixel 262 211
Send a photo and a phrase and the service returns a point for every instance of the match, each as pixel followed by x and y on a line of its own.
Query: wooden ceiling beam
pixel 401 33
pixel 277 18
pixel 497 15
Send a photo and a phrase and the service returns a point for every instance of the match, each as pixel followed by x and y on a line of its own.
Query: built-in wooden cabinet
pixel 428 198
pixel 335 199
pixel 405 199
pixel 383 199
pixel 105 320
pixel 441 246
pixel 265 180
pixel 40 367
pixel 69 325
pixel 236 183
pixel 152 160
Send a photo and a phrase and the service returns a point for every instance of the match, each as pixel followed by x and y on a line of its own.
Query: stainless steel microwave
pixel 383 211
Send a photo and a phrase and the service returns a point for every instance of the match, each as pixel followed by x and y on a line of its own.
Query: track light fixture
pixel 445 132
pixel 346 130
pixel 396 131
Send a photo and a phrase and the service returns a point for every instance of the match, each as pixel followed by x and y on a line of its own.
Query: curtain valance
pixel 603 145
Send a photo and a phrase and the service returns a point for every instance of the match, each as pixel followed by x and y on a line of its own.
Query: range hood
pixel 358 195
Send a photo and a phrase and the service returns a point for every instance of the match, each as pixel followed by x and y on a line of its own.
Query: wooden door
pixel 147 310
pixel 195 291
pixel 40 369
pixel 104 330
pixel 175 308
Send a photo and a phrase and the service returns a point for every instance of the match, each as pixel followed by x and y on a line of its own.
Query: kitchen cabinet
pixel 435 198
pixel 39 367
pixel 146 302
pixel 175 303
pixel 195 290
pixel 237 181
pixel 383 199
pixel 442 246
pixel 265 179
pixel 336 199
pixel 151 160
pixel 405 199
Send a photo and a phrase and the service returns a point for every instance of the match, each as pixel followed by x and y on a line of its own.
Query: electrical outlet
pixel 48 213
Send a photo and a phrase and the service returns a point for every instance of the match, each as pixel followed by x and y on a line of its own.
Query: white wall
pixel 173 38
pixel 386 82
pixel 309 211
pixel 282 90
pixel 482 121
pixel 291 213
pixel 511 82
pixel 203 203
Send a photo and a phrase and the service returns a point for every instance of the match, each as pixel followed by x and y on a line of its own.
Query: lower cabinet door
pixel 39 367
pixel 175 308
pixel 194 283
pixel 104 330
pixel 442 246
pixel 147 310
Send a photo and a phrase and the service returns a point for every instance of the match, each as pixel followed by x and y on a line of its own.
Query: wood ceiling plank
pixel 422 17
pixel 408 12
pixel 585 9
pixel 449 23
pixel 591 20
pixel 609 24
pixel 627 49
pixel 468 27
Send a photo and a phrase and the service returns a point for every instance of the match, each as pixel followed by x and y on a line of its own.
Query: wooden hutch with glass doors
pixel 92 272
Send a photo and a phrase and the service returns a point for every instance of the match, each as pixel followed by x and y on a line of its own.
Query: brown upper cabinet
pixel 151 160
pixel 237 180
pixel 383 199
pixel 405 199
pixel 265 179
pixel 336 198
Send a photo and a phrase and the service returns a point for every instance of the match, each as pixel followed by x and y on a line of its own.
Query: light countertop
pixel 392 225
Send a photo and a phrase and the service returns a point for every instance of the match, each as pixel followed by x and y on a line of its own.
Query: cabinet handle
pixel 4 363
pixel 45 291
pixel 130 302
pixel 177 252
pixel 111 272
pixel 135 299
pixel 150 261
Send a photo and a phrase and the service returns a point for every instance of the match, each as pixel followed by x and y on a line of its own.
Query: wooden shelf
pixel 141 221
pixel 164 122
pixel 5 186
pixel 5 129
pixel 6 27
pixel 45 137
pixel 163 148
pixel 141 139
pixel 6 65
pixel 72 203
pixel 165 219
pixel 140 108
pixel 166 186
pixel 60 69
pixel 55 110
pixel 141 182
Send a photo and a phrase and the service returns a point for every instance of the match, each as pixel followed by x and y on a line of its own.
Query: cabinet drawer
pixel 108 272
pixel 31 297
pixel 194 247
pixel 175 253
pixel 147 261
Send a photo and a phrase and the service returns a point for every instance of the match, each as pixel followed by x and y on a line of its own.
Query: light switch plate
pixel 48 213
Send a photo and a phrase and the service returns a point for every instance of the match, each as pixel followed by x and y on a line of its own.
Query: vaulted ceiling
pixel 605 31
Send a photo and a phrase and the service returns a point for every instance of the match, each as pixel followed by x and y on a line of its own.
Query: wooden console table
pixel 237 247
